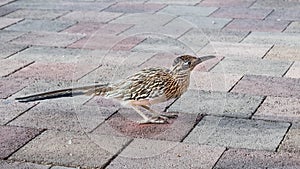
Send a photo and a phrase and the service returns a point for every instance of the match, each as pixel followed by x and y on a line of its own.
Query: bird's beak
pixel 204 58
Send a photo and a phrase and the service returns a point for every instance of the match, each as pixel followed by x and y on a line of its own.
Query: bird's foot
pixel 154 120
pixel 169 115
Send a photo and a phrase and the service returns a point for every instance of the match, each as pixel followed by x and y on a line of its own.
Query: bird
pixel 147 87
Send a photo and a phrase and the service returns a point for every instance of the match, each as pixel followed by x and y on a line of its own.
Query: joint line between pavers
pixel 88 73
pixel 69 26
pixel 235 84
pixel 26 47
pixel 252 4
pixel 268 51
pixel 215 64
pixel 288 69
pixel 117 154
pixel 226 149
pixel 245 37
pixel 286 26
pixel 18 69
pixel 227 24
pixel 288 129
pixel 262 101
pixel 197 121
pixel 12 24
pixel 125 30
pixel 108 6
pixel 268 14
pixel 114 18
pixel 214 12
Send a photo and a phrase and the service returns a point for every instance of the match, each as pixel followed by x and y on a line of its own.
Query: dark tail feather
pixel 70 92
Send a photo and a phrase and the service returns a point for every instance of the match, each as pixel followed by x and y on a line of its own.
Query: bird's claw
pixel 169 115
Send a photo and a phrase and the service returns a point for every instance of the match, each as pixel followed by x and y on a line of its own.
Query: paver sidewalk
pixel 242 109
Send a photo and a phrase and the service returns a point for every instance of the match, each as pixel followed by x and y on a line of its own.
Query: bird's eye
pixel 187 63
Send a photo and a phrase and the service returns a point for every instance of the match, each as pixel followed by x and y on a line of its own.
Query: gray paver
pixel 252 66
pixel 21 165
pixel 47 39
pixel 7 49
pixel 12 138
pixel 6 36
pixel 35 14
pixel 238 133
pixel 294 27
pixel 10 109
pixel 71 149
pixel 286 39
pixel 217 103
pixel 169 155
pixel 5 22
pixel 180 10
pixel 207 22
pixel 291 141
pixel 40 25
pixel 294 71
pixel 274 4
pixel 279 108
pixel 247 159
pixel 65 115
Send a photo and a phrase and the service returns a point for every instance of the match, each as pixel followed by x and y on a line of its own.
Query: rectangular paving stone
pixel 240 50
pixel 124 123
pixel 9 109
pixel 257 25
pixel 238 133
pixel 285 14
pixel 279 108
pixel 228 3
pixel 216 103
pixel 294 71
pixel 47 39
pixel 249 159
pixel 4 10
pixel 9 66
pixel 213 81
pixel 55 71
pixel 6 49
pixel 108 42
pixel 130 7
pixel 90 16
pixel 65 115
pixel 5 22
pixel 36 14
pixel 40 25
pixel 181 10
pixel 63 5
pixel 10 86
pixel 252 66
pixel 207 22
pixel 12 138
pixel 6 36
pixel 238 12
pixel 274 4
pixel 291 141
pixel 268 86
pixel 277 38
pixel 174 29
pixel 71 149
pixel 92 28
pixel 190 2
pixel 161 43
pixel 21 165
pixel 143 19
pixel 169 155
pixel 294 27
pixel 280 52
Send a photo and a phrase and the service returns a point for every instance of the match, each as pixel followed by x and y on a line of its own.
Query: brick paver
pixel 40 25
pixel 170 155
pixel 267 85
pixel 294 71
pixel 291 140
pixel 13 138
pixel 241 109
pixel 248 159
pixel 279 108
pixel 70 149
pixel 238 133
pixel 252 66
pixel 217 103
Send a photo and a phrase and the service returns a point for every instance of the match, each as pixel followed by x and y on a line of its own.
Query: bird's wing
pixel 145 84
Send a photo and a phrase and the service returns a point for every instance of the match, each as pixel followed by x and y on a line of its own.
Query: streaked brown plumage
pixel 143 89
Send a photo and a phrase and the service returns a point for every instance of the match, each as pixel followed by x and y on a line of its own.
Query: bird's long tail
pixel 100 89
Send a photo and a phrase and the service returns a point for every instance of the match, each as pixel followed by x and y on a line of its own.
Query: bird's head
pixel 188 62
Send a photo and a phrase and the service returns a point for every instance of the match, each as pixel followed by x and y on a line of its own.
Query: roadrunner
pixel 141 90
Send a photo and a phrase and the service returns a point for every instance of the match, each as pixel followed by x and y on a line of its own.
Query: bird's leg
pixel 147 120
pixel 160 115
